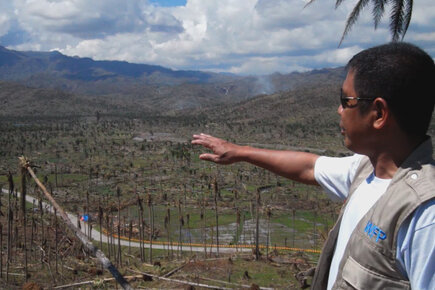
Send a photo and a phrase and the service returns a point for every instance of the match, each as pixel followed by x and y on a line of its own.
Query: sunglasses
pixel 351 102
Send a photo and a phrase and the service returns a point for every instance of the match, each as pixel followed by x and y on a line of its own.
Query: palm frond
pixel 353 17
pixel 400 16
pixel 408 15
pixel 309 3
pixel 397 20
pixel 378 11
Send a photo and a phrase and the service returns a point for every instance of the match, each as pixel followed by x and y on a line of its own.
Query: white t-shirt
pixel 335 175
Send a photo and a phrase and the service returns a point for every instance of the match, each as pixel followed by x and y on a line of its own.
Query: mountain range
pixel 50 83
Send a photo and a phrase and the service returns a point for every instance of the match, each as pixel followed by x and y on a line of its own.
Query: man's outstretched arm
pixel 298 166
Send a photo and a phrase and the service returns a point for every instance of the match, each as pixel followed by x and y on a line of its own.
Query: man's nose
pixel 340 109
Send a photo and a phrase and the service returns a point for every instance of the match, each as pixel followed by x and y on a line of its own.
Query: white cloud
pixel 244 36
pixel 430 36
pixel 4 24
pixel 337 56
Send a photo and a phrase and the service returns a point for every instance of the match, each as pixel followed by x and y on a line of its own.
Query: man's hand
pixel 223 152
pixel 298 166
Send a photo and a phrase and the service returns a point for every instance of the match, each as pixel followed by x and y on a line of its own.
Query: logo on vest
pixel 373 231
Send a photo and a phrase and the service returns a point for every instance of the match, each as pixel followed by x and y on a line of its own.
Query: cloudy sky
pixel 237 36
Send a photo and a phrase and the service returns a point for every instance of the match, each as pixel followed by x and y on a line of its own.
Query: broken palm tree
pixel 25 164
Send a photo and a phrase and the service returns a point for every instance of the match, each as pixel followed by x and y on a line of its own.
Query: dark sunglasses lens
pixel 343 100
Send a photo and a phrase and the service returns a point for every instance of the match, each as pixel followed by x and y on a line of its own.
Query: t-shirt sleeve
pixel 416 247
pixel 335 174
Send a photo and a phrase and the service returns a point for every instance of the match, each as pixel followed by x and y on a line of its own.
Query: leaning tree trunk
pixel 79 234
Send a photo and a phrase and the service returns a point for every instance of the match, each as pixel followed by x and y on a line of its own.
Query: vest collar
pixel 421 155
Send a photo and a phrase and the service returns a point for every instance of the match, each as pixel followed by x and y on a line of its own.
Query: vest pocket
pixel 356 276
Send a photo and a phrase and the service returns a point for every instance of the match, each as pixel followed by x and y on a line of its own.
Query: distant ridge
pixel 26 63
pixel 142 87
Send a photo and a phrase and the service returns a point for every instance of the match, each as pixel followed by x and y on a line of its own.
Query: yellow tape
pixel 214 245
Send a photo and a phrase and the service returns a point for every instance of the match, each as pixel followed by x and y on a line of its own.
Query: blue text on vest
pixel 372 230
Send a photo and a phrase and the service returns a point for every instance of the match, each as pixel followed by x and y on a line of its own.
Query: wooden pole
pixel 79 234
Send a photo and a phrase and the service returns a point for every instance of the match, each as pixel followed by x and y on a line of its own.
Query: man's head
pixel 403 75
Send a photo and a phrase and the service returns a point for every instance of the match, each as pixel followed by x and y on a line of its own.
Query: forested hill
pixel 138 87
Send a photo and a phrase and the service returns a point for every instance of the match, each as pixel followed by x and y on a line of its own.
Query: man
pixel 384 236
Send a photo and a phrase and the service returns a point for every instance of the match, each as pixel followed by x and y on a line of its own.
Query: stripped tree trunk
pixel 216 195
pixel 268 242
pixel 109 249
pixel 315 229
pixel 1 249
pixel 294 230
pixel 32 232
pixel 168 229
pixel 1 238
pixel 56 238
pixel 79 234
pixel 204 229
pixel 100 221
pixel 257 226
pixel 141 229
pixel 130 230
pixel 89 218
pixel 151 221
pixel 188 230
pixel 118 193
pixel 10 219
pixel 181 224
pixel 237 228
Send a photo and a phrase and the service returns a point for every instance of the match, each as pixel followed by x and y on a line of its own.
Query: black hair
pixel 402 74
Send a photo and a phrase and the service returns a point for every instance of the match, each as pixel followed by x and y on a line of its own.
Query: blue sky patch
pixel 169 3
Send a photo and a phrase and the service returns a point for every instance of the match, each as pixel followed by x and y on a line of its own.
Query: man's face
pixel 355 127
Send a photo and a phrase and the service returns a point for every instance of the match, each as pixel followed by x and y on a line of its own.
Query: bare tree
pixel 24 175
pixel 216 195
pixel 257 226
pixel 151 221
pixel 268 242
pixel 10 224
pixel 118 194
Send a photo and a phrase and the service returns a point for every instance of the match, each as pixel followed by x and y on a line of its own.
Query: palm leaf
pixel 378 11
pixel 353 17
pixel 397 20
pixel 408 15
pixel 309 3
pixel 400 16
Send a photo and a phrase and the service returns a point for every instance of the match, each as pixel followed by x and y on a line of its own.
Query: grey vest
pixel 369 260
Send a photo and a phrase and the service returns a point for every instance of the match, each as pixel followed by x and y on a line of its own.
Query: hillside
pixel 84 76
pixel 145 87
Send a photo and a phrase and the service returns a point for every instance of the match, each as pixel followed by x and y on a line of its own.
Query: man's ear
pixel 382 113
